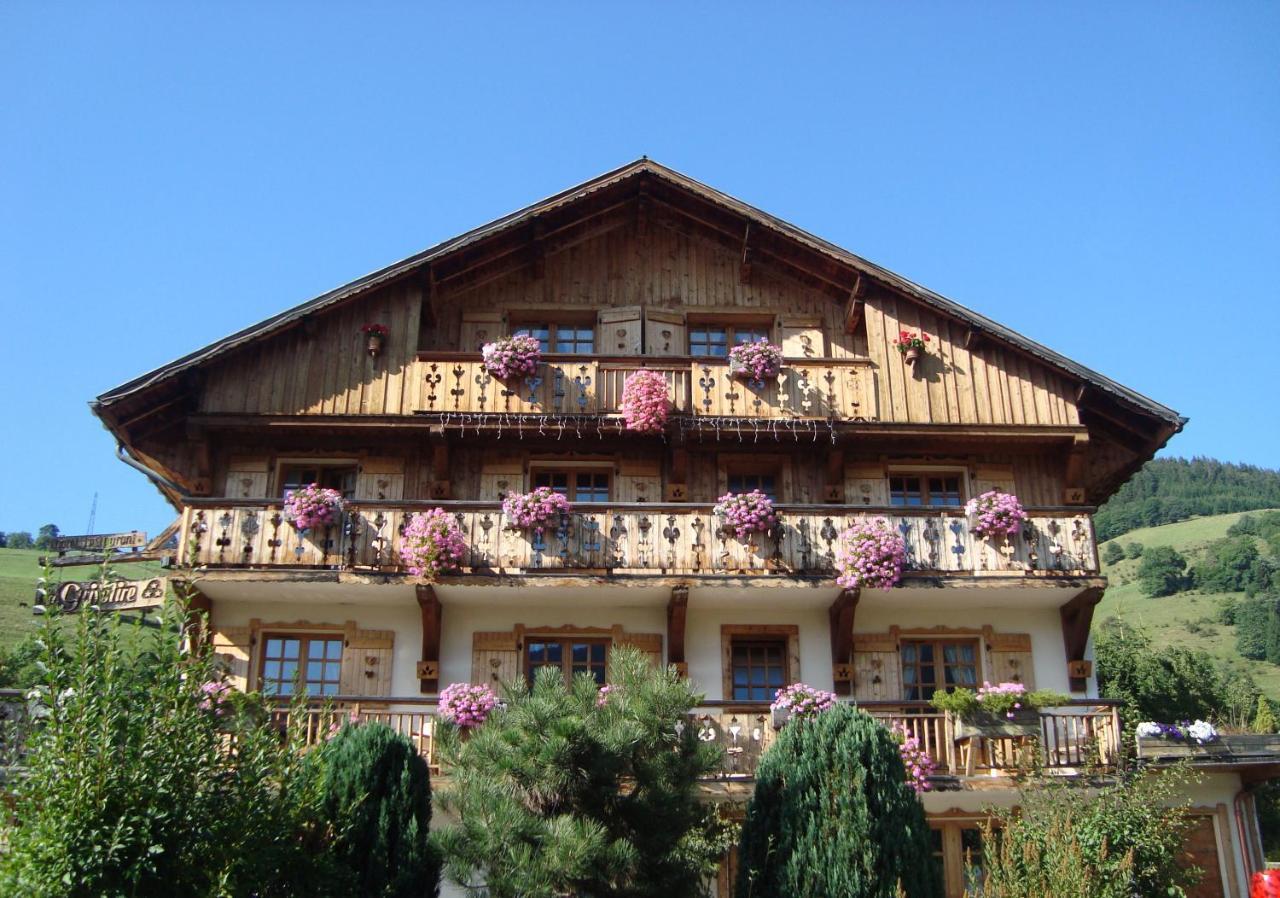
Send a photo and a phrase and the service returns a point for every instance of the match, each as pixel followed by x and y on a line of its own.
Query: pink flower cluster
pixel 213 697
pixel 996 514
pixel 466 704
pixel 747 513
pixel 1002 698
pixel 312 506
pixel 432 543
pixel 870 555
pixel 802 701
pixel 510 357
pixel 602 697
pixel 532 511
pixel 760 360
pixel 644 404
pixel 336 724
pixel 919 766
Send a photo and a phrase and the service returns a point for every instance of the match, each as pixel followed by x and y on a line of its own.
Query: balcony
pixel 631 539
pixel 1074 737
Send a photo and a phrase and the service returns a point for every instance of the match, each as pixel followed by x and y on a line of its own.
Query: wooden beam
pixel 854 307
pixel 1074 492
pixel 429 666
pixel 199 632
pixel 744 269
pixel 1077 618
pixel 440 487
pixel 973 339
pixel 536 251
pixel 833 488
pixel 841 615
pixel 677 610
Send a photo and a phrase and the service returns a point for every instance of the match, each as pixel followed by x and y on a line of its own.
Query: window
pixel 340 477
pixel 576 486
pixel 957 848
pixel 759 669
pixel 571 656
pixel 930 665
pixel 766 483
pixel 715 339
pixel 573 339
pixel 313 661
pixel 941 489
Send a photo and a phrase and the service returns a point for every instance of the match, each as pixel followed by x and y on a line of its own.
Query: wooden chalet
pixel 644 267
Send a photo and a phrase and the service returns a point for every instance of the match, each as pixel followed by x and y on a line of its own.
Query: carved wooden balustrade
pixel 630 538
pixel 841 389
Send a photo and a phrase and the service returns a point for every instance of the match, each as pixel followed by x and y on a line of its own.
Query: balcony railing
pixel 633 538
pixel 1081 735
pixel 833 388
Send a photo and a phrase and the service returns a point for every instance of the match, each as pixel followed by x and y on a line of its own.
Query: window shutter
pixel 366 662
pixel 479 328
pixel 495 658
pixel 801 337
pixel 1009 659
pixel 638 480
pixel 246 478
pixel 381 478
pixel 664 333
pixel 500 475
pixel 648 643
pixel 619 331
pixel 233 647
pixel 866 485
pixel 877 671
pixel 992 477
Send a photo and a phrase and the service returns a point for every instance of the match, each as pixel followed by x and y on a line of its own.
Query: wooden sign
pixel 113 595
pixel 100 542
pixel 1079 670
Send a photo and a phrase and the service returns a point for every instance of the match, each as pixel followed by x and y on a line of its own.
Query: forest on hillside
pixel 1167 490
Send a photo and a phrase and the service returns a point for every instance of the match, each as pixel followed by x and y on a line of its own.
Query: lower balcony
pixel 1082 735
pixel 630 539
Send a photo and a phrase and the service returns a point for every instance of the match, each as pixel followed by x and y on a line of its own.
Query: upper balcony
pixel 633 539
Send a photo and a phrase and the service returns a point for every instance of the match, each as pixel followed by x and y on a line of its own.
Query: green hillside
pixel 1186 619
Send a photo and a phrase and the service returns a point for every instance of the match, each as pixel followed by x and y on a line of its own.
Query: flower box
pixel 1023 724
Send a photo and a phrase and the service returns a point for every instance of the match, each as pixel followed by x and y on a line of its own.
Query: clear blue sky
pixel 1104 178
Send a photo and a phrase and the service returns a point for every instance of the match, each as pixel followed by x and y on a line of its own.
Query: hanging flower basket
pixel 871 555
pixel 799 701
pixel 746 513
pixel 466 705
pixel 512 357
pixel 644 404
pixel 433 544
pixel 758 361
pixel 995 513
pixel 312 506
pixel 375 337
pixel 911 345
pixel 534 510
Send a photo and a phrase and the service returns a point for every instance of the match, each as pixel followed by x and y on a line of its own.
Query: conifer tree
pixel 1265 720
pixel 833 815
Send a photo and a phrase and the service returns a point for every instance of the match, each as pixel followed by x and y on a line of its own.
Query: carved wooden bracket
pixel 1077 618
pixel 677 610
pixel 842 614
pixel 429 666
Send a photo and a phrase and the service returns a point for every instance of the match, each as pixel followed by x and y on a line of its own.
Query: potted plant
pixel 511 357
pixel 312 506
pixel 644 404
pixel 466 705
pixel 870 555
pixel 1002 711
pixel 534 510
pixel 799 701
pixel 756 362
pixel 995 513
pixel 911 345
pixel 746 513
pixel 1199 736
pixel 433 544
pixel 375 337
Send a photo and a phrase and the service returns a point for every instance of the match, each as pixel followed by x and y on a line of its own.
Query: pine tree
pixel 833 816
pixel 378 796
pixel 1265 720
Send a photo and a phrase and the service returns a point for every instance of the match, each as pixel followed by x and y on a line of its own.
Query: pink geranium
pixel 802 701
pixel 995 513
pixel 747 513
pixel 312 506
pixel 432 543
pixel 644 404
pixel 510 357
pixel 467 704
pixel 870 555
pixel 918 764
pixel 534 510
pixel 760 360
pixel 214 696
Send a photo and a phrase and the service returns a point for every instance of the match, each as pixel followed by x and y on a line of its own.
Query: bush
pixel 1112 554
pixel 1133 550
pixel 1265 720
pixel 1258 629
pixel 377 797
pixel 571 790
pixel 1162 571
pixel 1171 684
pixel 832 814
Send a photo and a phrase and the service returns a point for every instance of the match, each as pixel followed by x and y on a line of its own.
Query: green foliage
pixel 1162 571
pixel 1123 842
pixel 44 539
pixel 18 666
pixel 1265 720
pixel 377 795
pixel 19 539
pixel 1174 489
pixel 1133 550
pixel 1234 565
pixel 558 795
pixel 1258 629
pixel 965 702
pixel 832 814
pixel 1112 554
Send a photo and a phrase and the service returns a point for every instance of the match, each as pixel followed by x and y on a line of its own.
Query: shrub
pixel 1169 684
pixel 1133 550
pixel 1112 554
pixel 1265 720
pixel 834 814
pixel 1162 571
pixel 377 797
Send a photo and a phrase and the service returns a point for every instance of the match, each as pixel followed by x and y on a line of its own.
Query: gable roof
pixel 646 166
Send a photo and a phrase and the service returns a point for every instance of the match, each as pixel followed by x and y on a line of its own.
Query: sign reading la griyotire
pixel 112 595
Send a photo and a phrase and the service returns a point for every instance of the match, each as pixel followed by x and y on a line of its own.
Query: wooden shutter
pixel 866 485
pixel 992 477
pixel 246 478
pixel 877 671
pixel 638 480
pixel 495 658
pixel 648 643
pixel 664 333
pixel 500 475
pixel 366 662
pixel 479 328
pixel 801 337
pixel 381 478
pixel 619 331
pixel 1009 659
pixel 233 646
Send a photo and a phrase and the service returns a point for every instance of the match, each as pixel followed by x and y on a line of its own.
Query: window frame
pixel 759 466
pixel 923 474
pixel 566 643
pixel 778 643
pixel 732 325
pixel 938 643
pixel 732 633
pixel 321 465
pixel 305 639
pixel 553 320
pixel 571 472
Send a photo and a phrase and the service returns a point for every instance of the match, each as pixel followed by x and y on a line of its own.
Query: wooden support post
pixel 854 306
pixel 677 489
pixel 677 609
pixel 440 484
pixel 1073 492
pixel 198 629
pixel 841 614
pixel 833 488
pixel 429 666
pixel 1077 618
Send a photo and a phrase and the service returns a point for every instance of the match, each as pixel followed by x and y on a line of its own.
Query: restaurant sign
pixel 100 542
pixel 113 595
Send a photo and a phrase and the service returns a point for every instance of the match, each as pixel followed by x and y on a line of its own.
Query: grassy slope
pixel 1167 619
